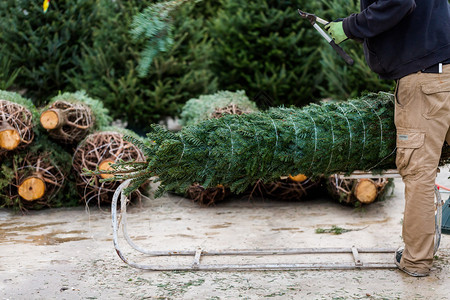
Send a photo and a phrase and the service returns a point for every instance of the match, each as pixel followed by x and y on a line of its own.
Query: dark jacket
pixel 401 36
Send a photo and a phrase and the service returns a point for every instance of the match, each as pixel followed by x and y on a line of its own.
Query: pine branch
pixel 154 26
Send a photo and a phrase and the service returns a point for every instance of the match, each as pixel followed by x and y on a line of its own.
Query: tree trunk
pixel 32 188
pixel 9 138
pixel 357 191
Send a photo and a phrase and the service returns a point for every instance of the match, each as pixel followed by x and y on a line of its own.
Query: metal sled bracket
pixel 198 254
pixel 363 174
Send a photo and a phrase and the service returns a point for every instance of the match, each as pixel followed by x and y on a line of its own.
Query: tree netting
pixel 70 117
pixel 215 106
pixel 96 153
pixel 17 116
pixel 37 178
pixel 237 151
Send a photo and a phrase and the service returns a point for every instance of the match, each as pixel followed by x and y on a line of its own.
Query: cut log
pixel 298 178
pixel 9 138
pixel 52 119
pixel 68 122
pixel 366 191
pixel 16 125
pixel 357 191
pixel 32 188
pixel 106 166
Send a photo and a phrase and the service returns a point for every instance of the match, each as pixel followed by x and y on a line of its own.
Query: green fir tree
pixel 239 150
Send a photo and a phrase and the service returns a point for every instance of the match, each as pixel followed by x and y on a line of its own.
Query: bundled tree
pixel 69 117
pixel 215 106
pixel 17 116
pixel 37 178
pixel 237 151
pixel 93 158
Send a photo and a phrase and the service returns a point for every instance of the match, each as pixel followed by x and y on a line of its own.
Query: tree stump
pixel 357 191
pixel 32 188
pixel 16 127
pixel 9 138
pixel 96 153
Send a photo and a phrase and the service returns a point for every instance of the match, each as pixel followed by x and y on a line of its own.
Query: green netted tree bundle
pixel 238 150
pixel 93 160
pixel 209 106
pixel 17 120
pixel 69 117
pixel 37 178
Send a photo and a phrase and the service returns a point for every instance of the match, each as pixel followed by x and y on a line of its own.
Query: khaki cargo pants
pixel 422 119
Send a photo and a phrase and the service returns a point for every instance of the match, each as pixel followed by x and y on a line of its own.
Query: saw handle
pixel 342 53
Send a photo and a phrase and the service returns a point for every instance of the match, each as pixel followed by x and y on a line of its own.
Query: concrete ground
pixel 69 253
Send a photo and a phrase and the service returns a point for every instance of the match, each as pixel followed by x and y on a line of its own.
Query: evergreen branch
pixel 154 26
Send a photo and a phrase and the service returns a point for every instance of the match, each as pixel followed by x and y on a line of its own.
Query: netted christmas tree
pixel 17 117
pixel 37 178
pixel 92 162
pixel 69 117
pixel 239 150
pixel 215 106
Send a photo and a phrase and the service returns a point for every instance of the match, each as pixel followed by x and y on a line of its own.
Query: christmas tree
pixel 214 106
pixel 238 150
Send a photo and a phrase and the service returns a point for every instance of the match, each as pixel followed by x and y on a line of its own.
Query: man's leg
pixel 422 118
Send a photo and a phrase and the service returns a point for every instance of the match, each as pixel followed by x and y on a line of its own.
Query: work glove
pixel 336 31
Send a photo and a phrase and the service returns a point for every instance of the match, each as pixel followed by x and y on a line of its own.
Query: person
pixel 409 41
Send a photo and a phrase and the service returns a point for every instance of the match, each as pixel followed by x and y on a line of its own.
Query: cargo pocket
pixel 436 102
pixel 408 141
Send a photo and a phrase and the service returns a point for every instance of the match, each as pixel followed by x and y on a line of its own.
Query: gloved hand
pixel 336 30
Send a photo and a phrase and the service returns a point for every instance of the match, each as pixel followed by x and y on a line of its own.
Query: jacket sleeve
pixel 376 18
